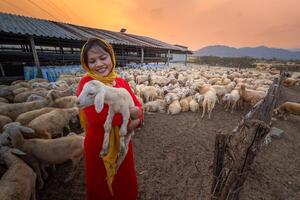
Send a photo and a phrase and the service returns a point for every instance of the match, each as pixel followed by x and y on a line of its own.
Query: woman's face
pixel 99 61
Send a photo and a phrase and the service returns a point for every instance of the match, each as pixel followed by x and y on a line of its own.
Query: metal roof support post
pixel 142 56
pixel 2 70
pixel 35 56
pixel 169 57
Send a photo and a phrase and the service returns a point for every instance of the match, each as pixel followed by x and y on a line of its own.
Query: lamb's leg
pixel 233 106
pixel 123 129
pixel 75 166
pixel 44 172
pixel 37 170
pixel 203 106
pixel 122 156
pixel 227 105
pixel 209 109
pixel 107 127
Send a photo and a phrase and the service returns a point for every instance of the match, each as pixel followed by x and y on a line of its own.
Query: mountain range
pixel 254 52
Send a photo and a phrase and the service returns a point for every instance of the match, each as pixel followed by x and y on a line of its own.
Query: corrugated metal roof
pixel 35 27
pixel 15 24
pixel 157 42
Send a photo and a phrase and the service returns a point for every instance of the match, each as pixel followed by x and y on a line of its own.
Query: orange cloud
pixel 193 23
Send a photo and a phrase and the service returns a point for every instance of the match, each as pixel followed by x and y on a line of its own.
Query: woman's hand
pixel 135 121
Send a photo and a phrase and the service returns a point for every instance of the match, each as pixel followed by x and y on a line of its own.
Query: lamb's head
pixel 226 97
pixel 93 92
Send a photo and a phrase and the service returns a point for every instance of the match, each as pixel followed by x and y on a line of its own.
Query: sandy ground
pixel 174 154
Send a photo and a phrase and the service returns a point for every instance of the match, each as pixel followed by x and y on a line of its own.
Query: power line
pixel 14 6
pixel 73 13
pixel 58 10
pixel 43 10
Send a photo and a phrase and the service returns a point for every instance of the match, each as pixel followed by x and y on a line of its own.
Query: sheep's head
pixel 199 97
pixel 93 92
pixel 226 97
pixel 15 130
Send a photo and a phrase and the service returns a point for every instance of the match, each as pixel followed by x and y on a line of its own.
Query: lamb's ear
pixel 18 152
pixel 99 100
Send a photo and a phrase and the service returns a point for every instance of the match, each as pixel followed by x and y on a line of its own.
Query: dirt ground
pixel 173 156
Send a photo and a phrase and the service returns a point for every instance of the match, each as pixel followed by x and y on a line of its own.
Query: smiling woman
pixel 103 179
pixel 97 58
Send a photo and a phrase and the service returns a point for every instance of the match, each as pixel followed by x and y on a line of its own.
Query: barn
pixel 27 41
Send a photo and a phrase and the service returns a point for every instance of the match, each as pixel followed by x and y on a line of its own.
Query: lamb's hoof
pixel 103 152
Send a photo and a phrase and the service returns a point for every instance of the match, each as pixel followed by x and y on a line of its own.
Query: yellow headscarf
pixel 114 141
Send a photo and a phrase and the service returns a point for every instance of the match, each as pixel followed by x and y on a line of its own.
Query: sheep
pixel 174 108
pixel 18 182
pixel 148 93
pixel 287 108
pixel 138 89
pixel 289 82
pixel 154 106
pixel 27 158
pixel 20 90
pixel 232 99
pixel 51 124
pixel 4 120
pixel 142 78
pixel 185 104
pixel 64 93
pixel 22 97
pixel 38 80
pixel 119 101
pixel 6 93
pixel 53 151
pixel 194 106
pixel 15 109
pixel 170 97
pixel 3 100
pixel 251 96
pixel 208 100
pixel 27 117
pixel 35 97
pixel 223 89
pixel 65 102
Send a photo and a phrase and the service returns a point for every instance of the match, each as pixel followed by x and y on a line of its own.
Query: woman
pixel 102 182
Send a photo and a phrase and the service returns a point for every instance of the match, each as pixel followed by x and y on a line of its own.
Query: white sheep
pixel 119 101
pixel 232 99
pixel 148 93
pixel 194 106
pixel 154 106
pixel 174 108
pixel 185 103
pixel 208 99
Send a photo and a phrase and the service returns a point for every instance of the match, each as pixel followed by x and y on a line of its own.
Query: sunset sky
pixel 193 23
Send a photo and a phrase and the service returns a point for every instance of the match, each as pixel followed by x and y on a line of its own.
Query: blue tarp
pixel 51 73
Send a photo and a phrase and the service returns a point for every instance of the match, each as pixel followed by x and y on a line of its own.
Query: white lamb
pixel 232 99
pixel 118 100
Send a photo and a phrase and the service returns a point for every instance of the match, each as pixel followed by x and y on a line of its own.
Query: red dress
pixel 125 181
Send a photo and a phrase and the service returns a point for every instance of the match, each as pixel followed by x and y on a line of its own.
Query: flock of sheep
pixel 35 113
